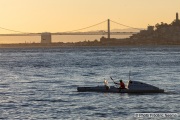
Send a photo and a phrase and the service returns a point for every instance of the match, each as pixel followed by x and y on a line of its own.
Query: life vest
pixel 122 85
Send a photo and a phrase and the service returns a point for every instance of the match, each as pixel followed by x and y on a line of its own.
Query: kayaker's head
pixel 120 80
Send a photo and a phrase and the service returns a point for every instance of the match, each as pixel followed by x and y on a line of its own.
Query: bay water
pixel 41 83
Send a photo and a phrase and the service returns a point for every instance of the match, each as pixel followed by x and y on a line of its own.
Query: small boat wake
pixel 171 92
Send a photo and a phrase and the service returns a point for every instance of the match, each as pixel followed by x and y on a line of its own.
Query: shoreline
pixel 65 45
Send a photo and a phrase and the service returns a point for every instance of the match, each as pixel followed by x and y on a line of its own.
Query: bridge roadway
pixel 72 33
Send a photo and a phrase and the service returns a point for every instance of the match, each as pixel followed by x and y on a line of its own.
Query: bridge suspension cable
pixel 87 27
pixel 73 30
pixel 125 25
pixel 15 31
pixel 66 31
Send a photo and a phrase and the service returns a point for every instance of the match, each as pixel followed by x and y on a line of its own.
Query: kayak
pixel 132 87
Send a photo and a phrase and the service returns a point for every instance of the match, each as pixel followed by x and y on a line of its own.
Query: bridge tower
pixel 46 37
pixel 108 28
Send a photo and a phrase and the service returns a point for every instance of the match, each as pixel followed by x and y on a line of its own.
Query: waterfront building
pixel 177 17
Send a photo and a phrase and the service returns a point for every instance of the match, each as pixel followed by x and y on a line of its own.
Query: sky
pixel 66 15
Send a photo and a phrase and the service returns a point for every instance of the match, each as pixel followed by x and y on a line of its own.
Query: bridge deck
pixel 76 33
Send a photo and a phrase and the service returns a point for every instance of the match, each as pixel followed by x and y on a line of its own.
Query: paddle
pixel 129 75
pixel 112 79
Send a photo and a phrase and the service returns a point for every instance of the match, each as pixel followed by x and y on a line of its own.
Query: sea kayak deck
pixel 113 89
pixel 132 87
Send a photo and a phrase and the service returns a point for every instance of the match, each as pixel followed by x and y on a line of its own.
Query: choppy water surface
pixel 41 83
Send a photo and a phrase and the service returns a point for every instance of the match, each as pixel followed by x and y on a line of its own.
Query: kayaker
pixel 106 84
pixel 121 84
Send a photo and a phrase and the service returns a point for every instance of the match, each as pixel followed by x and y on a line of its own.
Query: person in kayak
pixel 106 84
pixel 121 84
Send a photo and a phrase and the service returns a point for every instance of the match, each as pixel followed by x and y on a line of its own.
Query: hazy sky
pixel 67 15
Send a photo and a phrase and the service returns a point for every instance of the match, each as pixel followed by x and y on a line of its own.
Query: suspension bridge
pixel 107 32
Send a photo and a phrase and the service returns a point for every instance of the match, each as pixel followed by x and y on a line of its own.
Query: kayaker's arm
pixel 116 83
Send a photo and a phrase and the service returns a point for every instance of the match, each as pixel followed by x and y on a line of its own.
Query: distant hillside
pixel 127 30
pixel 120 30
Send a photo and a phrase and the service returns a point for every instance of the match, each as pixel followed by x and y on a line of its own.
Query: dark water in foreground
pixel 41 83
